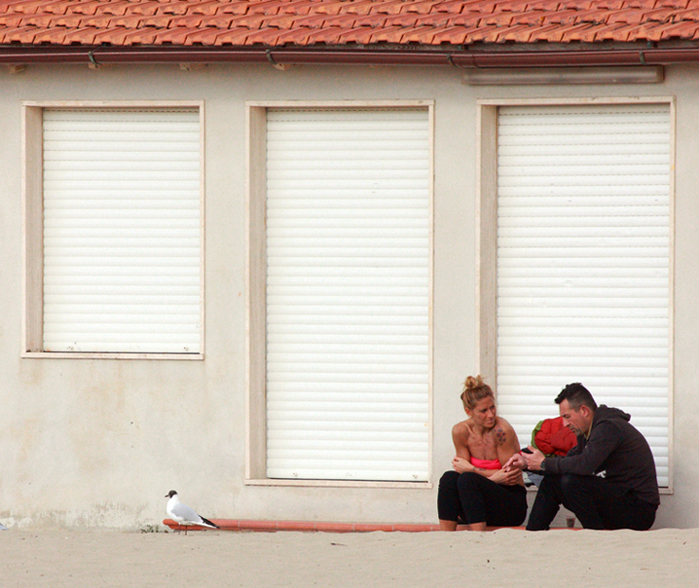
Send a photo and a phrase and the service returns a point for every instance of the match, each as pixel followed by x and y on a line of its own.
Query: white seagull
pixel 182 514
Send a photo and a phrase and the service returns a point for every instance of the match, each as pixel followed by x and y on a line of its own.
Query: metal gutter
pixel 465 58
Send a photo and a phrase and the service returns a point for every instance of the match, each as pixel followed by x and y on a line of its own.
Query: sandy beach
pixel 513 558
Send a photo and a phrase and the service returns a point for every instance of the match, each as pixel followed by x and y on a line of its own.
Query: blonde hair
pixel 475 391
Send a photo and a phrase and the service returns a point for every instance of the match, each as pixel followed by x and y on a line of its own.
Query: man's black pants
pixel 596 503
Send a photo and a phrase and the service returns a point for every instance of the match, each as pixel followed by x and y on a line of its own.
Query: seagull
pixel 3 527
pixel 184 515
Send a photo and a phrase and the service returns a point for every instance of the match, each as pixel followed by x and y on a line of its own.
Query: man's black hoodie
pixel 616 448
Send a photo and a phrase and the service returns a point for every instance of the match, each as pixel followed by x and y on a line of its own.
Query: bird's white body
pixel 182 514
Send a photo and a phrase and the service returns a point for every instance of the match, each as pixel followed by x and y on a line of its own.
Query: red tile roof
pixel 315 23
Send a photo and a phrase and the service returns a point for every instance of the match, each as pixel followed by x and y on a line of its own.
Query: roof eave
pixel 486 56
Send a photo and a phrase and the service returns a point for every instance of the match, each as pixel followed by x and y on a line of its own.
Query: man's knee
pixel 570 483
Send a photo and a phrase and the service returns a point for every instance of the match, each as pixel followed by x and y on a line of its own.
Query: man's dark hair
pixel 577 395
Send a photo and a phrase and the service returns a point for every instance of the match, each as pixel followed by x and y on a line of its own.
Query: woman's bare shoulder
pixel 504 425
pixel 461 430
pixel 504 433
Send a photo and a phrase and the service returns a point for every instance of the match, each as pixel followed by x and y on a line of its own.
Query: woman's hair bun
pixel 473 382
pixel 474 391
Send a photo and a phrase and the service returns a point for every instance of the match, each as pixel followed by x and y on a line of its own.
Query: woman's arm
pixel 507 445
pixel 459 435
pixel 462 461
pixel 506 440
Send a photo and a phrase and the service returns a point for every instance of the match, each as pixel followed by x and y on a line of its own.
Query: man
pixel 608 480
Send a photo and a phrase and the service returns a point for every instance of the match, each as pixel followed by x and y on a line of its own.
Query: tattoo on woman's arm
pixel 500 436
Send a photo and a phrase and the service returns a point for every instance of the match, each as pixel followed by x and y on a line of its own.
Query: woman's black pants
pixel 471 498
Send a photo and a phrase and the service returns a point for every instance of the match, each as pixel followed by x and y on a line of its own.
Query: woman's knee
pixel 469 480
pixel 449 479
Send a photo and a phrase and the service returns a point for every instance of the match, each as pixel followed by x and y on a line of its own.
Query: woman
pixel 479 492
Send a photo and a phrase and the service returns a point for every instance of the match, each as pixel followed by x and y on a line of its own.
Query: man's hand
pixel 516 462
pixel 531 461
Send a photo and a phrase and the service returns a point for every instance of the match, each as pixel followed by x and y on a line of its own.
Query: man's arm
pixel 603 440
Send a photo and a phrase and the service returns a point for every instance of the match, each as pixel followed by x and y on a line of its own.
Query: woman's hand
pixel 461 465
pixel 507 477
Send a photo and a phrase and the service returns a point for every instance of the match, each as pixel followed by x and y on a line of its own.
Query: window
pixel 583 253
pixel 114 230
pixel 347 281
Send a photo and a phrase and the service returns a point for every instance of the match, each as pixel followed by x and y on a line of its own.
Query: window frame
pixel 255 326
pixel 32 227
pixel 487 234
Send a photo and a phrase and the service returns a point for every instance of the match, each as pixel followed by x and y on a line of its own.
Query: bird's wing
pixel 185 513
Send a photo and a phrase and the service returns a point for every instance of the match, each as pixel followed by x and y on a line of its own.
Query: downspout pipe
pixel 282 56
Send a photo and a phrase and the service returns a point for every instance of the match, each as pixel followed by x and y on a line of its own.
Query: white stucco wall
pixel 100 442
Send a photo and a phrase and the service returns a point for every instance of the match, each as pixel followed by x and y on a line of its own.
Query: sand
pixel 512 558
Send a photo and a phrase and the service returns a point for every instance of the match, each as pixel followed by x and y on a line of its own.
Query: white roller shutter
pixel 122 231
pixel 348 294
pixel 583 262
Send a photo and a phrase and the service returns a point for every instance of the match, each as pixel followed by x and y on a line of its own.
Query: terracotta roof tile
pixel 551 33
pixel 386 35
pixel 154 21
pixel 689 15
pixel 220 21
pixel 469 20
pixel 358 7
pixel 233 8
pixel 351 21
pixel 41 21
pixel 236 36
pixel 499 19
pixel 17 34
pixel 325 36
pixel 275 23
pixel 146 8
pixel 329 8
pixel 175 8
pixel 627 16
pixel 584 33
pixel 613 34
pixel 98 21
pixel 8 21
pixel 450 7
pixel 298 7
pixel 405 20
pixel 87 7
pixel 198 37
pixel 248 21
pixel 127 21
pixel 118 7
pixel 264 7
pixel 49 7
pixel 268 36
pixel 361 35
pixel 419 7
pixel 174 36
pixel 484 34
pixel 420 35
pixel 452 35
pixel 204 8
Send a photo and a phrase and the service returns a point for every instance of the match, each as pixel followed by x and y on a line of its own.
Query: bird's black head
pixel 171 494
